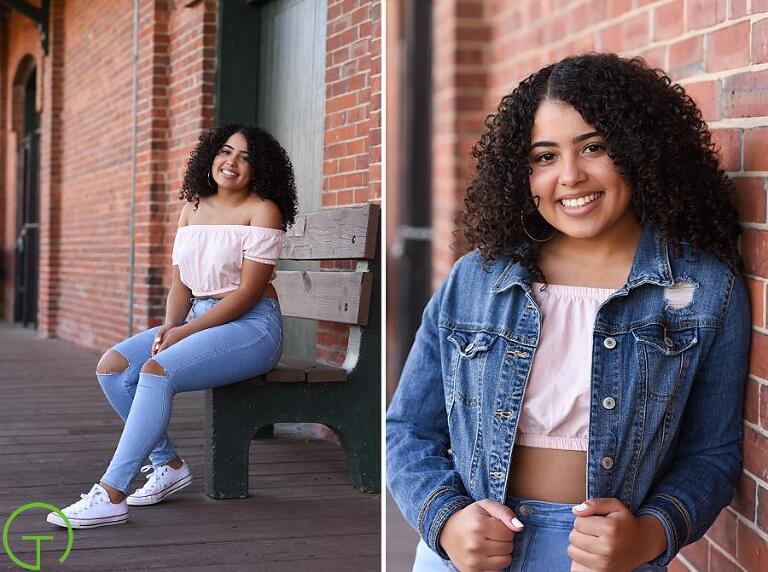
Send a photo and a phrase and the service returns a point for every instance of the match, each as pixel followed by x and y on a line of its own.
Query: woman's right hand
pixel 481 536
pixel 158 339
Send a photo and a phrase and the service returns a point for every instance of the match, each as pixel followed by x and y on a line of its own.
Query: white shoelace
pixel 87 500
pixel 152 478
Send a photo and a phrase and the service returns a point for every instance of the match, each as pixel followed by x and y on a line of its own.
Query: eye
pixel 544 158
pixel 594 147
pixel 223 151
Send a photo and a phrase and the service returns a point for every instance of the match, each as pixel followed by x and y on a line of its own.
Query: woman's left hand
pixel 607 536
pixel 172 336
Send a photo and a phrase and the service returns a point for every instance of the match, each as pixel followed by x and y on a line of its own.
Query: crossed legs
pixel 121 398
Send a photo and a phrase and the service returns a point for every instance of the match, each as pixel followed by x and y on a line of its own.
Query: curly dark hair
pixel 655 136
pixel 271 169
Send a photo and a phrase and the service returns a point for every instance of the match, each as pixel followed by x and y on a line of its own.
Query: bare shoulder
pixel 186 210
pixel 265 213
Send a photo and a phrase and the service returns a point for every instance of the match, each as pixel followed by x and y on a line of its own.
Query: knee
pixel 112 362
pixel 151 366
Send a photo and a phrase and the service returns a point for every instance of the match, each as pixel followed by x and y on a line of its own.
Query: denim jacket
pixel 669 360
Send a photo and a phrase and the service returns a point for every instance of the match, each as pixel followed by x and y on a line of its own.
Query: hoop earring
pixel 525 230
pixel 211 182
pixel 536 199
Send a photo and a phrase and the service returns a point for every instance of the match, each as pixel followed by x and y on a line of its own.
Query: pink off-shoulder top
pixel 555 412
pixel 210 256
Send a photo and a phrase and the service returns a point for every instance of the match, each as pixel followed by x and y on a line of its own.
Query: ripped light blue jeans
pixel 243 348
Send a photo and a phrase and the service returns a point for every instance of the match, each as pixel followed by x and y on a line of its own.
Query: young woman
pixel 241 196
pixel 573 398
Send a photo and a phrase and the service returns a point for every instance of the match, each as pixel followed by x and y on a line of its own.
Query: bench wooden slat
pixel 315 372
pixel 285 373
pixel 332 234
pixel 342 297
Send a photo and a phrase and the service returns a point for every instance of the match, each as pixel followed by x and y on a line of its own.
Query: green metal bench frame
pixel 346 399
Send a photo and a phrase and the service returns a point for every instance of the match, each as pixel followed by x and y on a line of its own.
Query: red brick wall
pixel 718 50
pixel 352 156
pixel 395 56
pixel 86 103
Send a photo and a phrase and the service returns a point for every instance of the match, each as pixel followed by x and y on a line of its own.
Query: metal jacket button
pixel 609 343
pixel 609 403
pixel 607 463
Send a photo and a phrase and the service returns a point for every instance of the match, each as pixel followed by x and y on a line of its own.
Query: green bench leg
pixel 227 443
pixel 362 450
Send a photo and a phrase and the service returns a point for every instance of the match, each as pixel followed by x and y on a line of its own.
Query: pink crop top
pixel 555 413
pixel 210 256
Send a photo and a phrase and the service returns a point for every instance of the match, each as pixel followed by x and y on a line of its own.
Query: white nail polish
pixel 516 523
pixel 580 507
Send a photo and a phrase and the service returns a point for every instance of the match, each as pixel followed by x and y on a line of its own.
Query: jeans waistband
pixel 543 513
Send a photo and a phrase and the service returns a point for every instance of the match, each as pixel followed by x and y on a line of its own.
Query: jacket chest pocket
pixel 664 357
pixel 471 361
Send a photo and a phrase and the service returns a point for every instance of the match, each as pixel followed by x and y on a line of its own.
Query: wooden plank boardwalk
pixel 401 540
pixel 57 433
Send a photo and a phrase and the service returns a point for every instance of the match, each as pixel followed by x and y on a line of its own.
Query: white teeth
pixel 580 202
pixel 229 173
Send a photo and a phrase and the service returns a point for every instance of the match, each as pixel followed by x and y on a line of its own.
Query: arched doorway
pixel 25 286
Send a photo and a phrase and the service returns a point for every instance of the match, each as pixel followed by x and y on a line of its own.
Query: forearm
pixel 654 536
pixel 177 305
pixel 230 308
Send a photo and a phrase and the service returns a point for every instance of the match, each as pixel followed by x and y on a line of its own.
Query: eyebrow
pixel 577 139
pixel 230 146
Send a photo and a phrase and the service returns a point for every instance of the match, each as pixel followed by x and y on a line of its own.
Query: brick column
pixel 52 97
pixel 460 68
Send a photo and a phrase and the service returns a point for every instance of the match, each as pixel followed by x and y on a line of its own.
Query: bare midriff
pixel 552 475
pixel 269 292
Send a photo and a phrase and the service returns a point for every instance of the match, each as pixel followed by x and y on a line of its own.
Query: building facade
pixel 101 103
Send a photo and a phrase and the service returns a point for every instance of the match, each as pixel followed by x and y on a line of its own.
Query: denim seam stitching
pixel 442 516
pixel 683 511
pixel 425 506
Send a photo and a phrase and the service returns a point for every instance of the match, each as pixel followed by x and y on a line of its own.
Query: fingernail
pixel 580 507
pixel 516 523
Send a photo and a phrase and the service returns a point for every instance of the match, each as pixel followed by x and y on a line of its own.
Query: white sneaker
pixel 163 481
pixel 92 510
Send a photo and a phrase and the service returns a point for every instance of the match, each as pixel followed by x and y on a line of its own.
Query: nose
pixel 571 172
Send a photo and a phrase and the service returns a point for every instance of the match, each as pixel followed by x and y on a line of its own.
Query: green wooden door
pixel 291 106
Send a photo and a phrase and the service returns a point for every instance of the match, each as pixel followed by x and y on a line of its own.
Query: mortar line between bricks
pixel 720 549
pixel 684 561
pixel 755 225
pixel 759 430
pixel 739 122
pixel 754 477
pixel 721 74
pixel 753 527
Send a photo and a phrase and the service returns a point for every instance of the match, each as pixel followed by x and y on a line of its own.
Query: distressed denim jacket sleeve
pixel 420 471
pixel 707 459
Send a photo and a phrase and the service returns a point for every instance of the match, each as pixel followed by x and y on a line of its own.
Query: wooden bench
pixel 346 399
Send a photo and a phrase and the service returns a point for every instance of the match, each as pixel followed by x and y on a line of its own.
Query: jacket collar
pixel 650 265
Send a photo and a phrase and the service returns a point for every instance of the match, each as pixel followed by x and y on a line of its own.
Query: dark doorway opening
pixel 28 217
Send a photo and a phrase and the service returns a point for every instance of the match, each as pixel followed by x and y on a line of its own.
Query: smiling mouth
pixel 229 173
pixel 581 201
